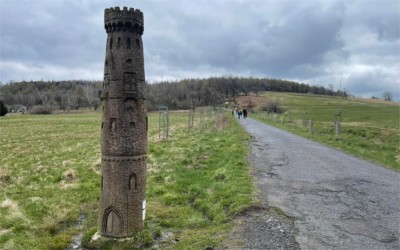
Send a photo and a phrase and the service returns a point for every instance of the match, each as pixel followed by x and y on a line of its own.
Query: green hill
pixel 369 127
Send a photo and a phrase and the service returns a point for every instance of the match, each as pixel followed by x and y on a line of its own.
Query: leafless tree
pixel 90 93
pixel 44 97
pixel 330 88
pixel 387 95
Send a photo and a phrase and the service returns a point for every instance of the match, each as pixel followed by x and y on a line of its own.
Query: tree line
pixel 180 94
pixel 64 95
pixel 188 93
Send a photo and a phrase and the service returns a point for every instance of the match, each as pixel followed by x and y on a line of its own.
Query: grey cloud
pixel 303 40
pixel 49 33
pixel 379 17
pixel 240 39
pixel 372 83
pixel 388 29
pixel 312 41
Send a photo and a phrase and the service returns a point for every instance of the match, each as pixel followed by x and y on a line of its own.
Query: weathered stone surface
pixel 124 126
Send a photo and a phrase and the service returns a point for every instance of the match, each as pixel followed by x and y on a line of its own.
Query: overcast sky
pixel 319 42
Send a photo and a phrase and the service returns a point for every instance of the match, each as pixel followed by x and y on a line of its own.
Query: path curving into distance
pixel 336 201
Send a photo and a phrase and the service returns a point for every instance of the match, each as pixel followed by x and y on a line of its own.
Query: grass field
pixel 197 182
pixel 370 128
pixel 198 179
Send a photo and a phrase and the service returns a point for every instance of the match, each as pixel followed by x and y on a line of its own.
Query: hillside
pixel 182 94
pixel 322 108
pixel 369 127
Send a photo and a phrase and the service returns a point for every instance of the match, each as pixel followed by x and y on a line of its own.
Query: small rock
pixel 96 236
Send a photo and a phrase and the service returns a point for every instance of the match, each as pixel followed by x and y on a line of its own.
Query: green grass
pixel 370 129
pixel 36 154
pixel 197 182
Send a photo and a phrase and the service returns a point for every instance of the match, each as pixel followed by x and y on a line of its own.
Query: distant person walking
pixel 244 113
pixel 239 114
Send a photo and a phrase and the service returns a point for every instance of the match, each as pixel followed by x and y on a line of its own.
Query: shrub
pixel 41 110
pixel 273 107
pixel 3 109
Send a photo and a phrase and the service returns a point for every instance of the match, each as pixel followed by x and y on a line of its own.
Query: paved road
pixel 336 201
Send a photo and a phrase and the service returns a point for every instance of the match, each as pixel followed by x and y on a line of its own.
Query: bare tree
pixel 90 93
pixel 44 97
pixel 330 88
pixel 70 100
pixel 387 95
pixel 79 98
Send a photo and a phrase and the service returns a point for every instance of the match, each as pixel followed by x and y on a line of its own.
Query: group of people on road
pixel 239 112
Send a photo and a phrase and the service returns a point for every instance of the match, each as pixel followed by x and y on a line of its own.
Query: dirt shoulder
pixel 262 228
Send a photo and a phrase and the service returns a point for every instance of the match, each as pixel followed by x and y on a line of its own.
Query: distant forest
pixel 182 94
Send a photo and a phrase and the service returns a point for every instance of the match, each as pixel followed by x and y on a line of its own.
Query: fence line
pixel 197 119
pixel 163 122
pixel 305 122
pixel 335 127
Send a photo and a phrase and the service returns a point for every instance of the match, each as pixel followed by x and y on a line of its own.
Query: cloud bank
pixel 350 44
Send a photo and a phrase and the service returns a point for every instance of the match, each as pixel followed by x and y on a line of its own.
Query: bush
pixel 273 107
pixel 41 110
pixel 3 109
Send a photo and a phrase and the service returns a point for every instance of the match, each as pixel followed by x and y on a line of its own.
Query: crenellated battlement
pixel 126 19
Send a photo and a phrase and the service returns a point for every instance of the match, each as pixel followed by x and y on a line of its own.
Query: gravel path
pixel 331 200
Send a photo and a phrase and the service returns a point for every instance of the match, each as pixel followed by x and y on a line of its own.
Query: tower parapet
pixel 116 19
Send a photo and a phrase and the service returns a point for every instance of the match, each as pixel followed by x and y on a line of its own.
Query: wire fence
pixel 336 127
pixel 197 119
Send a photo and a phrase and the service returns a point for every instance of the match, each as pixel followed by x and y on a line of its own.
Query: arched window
pixel 112 221
pixel 113 125
pixel 138 43
pixel 132 182
pixel 136 28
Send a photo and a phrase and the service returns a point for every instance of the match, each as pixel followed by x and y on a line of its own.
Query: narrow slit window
pixel 128 43
pixel 119 43
pixel 133 182
pixel 138 43
pixel 113 125
pixel 111 43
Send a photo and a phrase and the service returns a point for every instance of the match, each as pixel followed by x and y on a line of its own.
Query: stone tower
pixel 124 126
